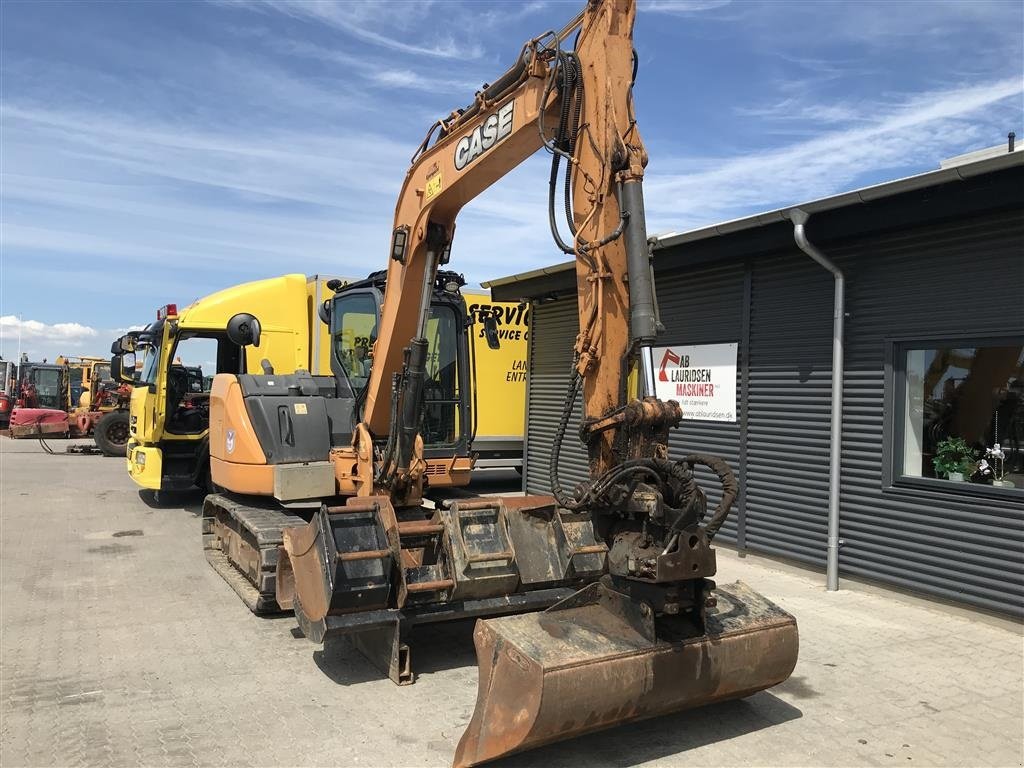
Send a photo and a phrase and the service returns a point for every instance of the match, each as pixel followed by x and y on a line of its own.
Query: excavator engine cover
pixel 596 660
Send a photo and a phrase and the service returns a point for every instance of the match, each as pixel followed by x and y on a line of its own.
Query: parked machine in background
pixel 72 397
pixel 8 390
pixel 634 626
pixel 99 403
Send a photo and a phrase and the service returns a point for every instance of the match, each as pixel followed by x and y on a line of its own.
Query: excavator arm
pixel 577 103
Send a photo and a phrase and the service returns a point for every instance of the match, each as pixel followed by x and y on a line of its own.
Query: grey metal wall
pixel 790 379
pixel 963 276
pixel 706 307
pixel 701 309
pixel 553 329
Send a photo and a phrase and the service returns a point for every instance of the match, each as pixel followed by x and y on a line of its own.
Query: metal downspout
pixel 799 219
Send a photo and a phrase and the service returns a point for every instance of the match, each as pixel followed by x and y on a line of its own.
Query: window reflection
pixel 963 413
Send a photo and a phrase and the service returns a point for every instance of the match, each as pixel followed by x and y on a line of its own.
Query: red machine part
pixel 27 422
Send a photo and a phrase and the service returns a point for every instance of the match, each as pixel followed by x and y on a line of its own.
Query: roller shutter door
pixel 553 329
pixel 790 408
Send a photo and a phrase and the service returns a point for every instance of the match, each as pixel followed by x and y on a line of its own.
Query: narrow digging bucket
pixel 557 674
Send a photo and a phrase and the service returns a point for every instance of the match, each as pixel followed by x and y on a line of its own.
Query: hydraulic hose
pixel 563 143
pixel 556 447
pixel 730 488
pixel 572 129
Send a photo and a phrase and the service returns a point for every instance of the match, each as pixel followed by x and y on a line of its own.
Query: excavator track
pixel 241 542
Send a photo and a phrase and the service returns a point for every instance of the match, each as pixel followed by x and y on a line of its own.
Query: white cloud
pixel 296 165
pixel 363 19
pixel 375 71
pixel 681 6
pixel 12 326
pixel 919 132
pixel 352 181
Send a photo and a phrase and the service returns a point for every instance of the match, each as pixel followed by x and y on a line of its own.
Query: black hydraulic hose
pixel 730 488
pixel 572 129
pixel 556 447
pixel 559 145
pixel 552 221
pixel 637 466
pixel 386 473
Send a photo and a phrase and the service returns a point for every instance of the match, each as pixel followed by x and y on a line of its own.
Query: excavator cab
pixel 354 318
pixel 289 434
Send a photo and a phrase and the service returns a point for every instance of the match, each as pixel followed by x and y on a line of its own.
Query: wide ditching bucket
pixel 584 666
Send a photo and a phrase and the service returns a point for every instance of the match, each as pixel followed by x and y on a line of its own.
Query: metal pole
pixel 647 361
pixel 799 219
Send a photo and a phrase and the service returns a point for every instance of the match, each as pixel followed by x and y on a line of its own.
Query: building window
pixel 960 412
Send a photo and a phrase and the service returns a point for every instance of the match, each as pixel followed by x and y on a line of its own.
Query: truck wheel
pixel 111 434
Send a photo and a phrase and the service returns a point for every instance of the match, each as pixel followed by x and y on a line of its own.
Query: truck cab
pixel 174 358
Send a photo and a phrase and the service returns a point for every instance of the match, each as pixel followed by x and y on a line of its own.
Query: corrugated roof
pixel 969 168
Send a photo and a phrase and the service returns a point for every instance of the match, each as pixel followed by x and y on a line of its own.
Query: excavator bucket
pixel 588 663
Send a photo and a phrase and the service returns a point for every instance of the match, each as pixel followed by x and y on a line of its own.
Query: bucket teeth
pixel 544 677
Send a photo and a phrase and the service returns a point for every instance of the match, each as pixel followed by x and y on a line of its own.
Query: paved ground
pixel 120 646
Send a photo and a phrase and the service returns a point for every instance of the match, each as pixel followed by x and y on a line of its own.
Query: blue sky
pixel 153 152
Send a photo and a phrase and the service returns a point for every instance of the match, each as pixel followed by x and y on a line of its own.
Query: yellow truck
pixel 171 362
pixel 168 446
pixel 500 380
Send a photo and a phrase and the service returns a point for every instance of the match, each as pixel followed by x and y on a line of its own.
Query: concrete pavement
pixel 120 646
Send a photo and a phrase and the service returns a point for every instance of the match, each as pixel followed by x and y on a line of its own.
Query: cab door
pixel 149 395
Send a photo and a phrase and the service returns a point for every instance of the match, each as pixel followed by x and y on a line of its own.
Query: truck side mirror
pixel 491 332
pixel 125 343
pixel 122 368
pixel 244 330
pixel 324 311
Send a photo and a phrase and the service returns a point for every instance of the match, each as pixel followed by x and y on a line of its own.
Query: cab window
pixel 47 382
pixel 441 395
pixel 353 331
pixel 194 357
pixel 150 364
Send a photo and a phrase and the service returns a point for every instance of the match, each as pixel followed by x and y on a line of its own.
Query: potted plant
pixel 954 458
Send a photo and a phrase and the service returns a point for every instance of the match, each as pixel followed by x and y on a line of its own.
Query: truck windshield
pixel 150 363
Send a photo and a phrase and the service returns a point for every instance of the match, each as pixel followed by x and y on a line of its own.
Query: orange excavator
pixel 633 624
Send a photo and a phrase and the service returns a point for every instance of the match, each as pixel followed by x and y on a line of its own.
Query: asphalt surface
pixel 120 646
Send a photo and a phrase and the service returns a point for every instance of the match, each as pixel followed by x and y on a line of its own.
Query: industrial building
pixel 928 272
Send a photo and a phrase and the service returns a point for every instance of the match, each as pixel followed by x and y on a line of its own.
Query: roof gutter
pixel 799 219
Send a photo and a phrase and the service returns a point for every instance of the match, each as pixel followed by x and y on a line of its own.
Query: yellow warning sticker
pixel 433 186
pixel 300 408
